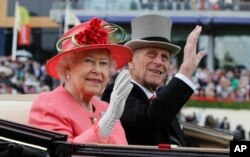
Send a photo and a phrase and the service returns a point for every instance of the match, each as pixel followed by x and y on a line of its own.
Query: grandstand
pixel 225 23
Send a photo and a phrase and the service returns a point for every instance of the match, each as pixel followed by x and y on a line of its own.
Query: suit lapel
pixel 140 93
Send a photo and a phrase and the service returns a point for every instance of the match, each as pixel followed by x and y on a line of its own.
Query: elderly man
pixel 147 121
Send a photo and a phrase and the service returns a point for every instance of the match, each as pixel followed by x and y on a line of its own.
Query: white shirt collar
pixel 145 90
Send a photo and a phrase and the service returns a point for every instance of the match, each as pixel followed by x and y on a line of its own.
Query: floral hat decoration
pixel 93 34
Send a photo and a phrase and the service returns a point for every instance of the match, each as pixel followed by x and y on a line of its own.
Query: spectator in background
pixel 191 118
pixel 210 122
pixel 225 125
pixel 240 133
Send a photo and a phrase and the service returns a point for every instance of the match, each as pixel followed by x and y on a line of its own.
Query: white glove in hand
pixel 121 90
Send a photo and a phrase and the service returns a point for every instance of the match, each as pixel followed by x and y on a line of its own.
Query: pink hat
pixel 93 34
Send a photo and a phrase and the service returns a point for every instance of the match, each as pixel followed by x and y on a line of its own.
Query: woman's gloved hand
pixel 121 90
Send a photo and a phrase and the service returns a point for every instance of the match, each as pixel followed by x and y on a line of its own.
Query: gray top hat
pixel 152 31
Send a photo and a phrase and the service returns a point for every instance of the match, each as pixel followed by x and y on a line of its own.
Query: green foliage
pixel 133 5
pixel 218 104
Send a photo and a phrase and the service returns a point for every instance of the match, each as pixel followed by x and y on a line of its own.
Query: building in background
pixel 225 23
pixel 44 30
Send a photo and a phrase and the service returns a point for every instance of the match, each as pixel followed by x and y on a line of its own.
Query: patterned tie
pixel 152 98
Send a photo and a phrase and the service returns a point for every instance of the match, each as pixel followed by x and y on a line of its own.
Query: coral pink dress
pixel 58 111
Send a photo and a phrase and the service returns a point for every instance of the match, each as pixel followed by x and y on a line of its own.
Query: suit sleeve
pixel 140 114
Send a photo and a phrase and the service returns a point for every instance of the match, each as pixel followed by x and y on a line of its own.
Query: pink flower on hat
pixel 94 33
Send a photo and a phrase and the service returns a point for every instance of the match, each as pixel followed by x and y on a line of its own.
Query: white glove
pixel 121 90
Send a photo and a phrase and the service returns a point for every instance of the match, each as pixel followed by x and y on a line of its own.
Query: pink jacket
pixel 58 111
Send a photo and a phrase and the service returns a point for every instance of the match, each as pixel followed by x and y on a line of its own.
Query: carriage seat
pixel 16 108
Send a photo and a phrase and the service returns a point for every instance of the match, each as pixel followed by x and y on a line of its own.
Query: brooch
pixel 93 120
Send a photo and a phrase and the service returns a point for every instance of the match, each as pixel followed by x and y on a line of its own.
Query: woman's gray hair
pixel 69 59
pixel 63 63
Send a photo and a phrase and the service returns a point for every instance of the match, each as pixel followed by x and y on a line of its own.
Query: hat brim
pixel 136 44
pixel 121 54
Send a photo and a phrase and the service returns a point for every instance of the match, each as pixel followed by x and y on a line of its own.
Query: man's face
pixel 149 67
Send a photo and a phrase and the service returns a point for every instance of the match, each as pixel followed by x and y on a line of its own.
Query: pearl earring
pixel 67 77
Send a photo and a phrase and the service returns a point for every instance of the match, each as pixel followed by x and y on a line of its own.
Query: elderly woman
pixel 85 63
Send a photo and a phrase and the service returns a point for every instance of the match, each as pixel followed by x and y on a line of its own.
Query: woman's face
pixel 89 72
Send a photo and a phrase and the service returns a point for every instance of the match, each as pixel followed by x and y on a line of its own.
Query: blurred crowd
pixel 230 85
pixel 29 76
pixel 220 85
pixel 23 76
pixel 219 124
pixel 234 5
